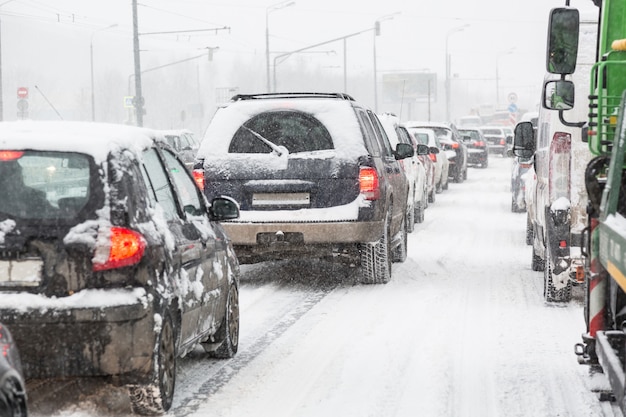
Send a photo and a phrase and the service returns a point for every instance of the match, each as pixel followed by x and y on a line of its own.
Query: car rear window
pixel 470 134
pixel 492 132
pixel 43 185
pixel 296 131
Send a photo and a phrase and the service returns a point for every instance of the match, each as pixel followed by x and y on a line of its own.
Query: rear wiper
pixel 279 150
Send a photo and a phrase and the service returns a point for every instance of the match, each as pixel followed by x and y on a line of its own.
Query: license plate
pixel 281 199
pixel 26 272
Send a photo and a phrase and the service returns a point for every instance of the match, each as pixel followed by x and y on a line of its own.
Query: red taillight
pixel 10 155
pixel 198 176
pixel 126 247
pixel 559 166
pixel 502 142
pixel 433 157
pixel 455 145
pixel 368 183
pixel 562 244
pixel 479 143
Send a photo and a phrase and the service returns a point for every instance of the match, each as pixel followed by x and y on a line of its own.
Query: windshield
pixel 44 185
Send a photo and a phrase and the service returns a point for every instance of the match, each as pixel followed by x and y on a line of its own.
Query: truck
pixel 603 345
pixel 556 200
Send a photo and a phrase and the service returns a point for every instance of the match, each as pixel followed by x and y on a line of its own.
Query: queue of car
pixel 120 246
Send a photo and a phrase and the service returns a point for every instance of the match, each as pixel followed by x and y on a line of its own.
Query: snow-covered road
pixel 461 330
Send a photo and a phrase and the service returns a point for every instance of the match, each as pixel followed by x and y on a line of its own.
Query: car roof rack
pixel 342 96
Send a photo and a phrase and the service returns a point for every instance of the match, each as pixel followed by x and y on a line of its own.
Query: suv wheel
pixel 376 259
pixel 400 251
pixel 156 397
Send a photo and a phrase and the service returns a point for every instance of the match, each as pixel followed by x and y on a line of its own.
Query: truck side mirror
pixel 558 95
pixel 562 40
pixel 524 140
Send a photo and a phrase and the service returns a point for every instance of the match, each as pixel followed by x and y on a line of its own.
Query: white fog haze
pixel 46 47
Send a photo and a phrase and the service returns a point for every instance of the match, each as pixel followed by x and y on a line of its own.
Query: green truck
pixel 603 343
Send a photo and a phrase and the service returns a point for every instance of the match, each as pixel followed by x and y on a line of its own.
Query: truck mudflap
pixel 611 350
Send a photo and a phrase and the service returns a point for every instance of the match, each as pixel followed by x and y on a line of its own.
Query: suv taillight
pixel 198 176
pixel 559 166
pixel 368 183
pixel 433 157
pixel 126 247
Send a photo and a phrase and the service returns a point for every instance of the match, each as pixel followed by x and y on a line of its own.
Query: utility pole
pixel 138 100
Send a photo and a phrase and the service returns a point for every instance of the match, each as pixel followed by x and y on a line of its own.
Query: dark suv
pixel 112 262
pixel 314 175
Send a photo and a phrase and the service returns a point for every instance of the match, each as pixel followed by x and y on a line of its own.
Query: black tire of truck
pixel 550 292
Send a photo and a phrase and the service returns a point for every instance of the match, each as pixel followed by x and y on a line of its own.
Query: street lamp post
pixel 498 55
pixel 377 33
pixel 269 9
pixel 93 100
pixel 447 82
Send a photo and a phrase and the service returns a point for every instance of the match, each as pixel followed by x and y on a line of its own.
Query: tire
pixel 550 293
pixel 376 259
pixel 465 174
pixel 12 396
pixel 410 219
pixel 439 188
pixel 419 210
pixel 537 264
pixel 228 333
pixel 458 176
pixel 514 207
pixel 399 253
pixel 445 184
pixel 431 197
pixel 529 231
pixel 156 397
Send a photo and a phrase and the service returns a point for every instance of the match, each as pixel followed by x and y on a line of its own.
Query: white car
pixel 428 137
pixel 414 170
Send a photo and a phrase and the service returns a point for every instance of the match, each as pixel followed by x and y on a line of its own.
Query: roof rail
pixel 342 96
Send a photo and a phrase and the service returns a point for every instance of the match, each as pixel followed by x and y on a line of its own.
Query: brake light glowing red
pixel 198 176
pixel 562 243
pixel 433 157
pixel 10 155
pixel 479 143
pixel 559 166
pixel 455 145
pixel 502 142
pixel 126 248
pixel 368 183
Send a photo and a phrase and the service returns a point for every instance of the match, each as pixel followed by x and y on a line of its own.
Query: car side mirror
pixel 558 95
pixel 562 40
pixel 524 140
pixel 423 149
pixel 223 208
pixel 404 150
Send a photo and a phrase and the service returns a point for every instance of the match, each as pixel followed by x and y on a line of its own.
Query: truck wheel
pixel 156 397
pixel 376 258
pixel 529 230
pixel 550 292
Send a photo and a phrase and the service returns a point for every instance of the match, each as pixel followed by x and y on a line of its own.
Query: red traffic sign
pixel 22 92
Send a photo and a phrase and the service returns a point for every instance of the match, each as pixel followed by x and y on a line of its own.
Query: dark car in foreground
pixel 112 262
pixel 477 147
pixel 315 176
pixel 12 385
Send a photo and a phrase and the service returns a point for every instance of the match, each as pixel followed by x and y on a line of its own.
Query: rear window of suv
pixel 296 131
pixel 44 185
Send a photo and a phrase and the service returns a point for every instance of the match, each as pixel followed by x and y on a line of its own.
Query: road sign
pixel 128 102
pixel 512 97
pixel 22 105
pixel 22 92
pixel 512 108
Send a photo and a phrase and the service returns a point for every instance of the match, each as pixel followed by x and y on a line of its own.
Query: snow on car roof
pixel 337 116
pixel 95 139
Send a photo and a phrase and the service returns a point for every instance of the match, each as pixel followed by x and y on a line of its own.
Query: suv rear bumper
pixel 69 338
pixel 307 233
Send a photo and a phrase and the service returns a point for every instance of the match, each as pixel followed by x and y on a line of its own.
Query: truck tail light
pixel 126 247
pixel 198 176
pixel 559 166
pixel 368 183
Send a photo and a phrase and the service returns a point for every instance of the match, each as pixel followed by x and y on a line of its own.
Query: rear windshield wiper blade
pixel 279 150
